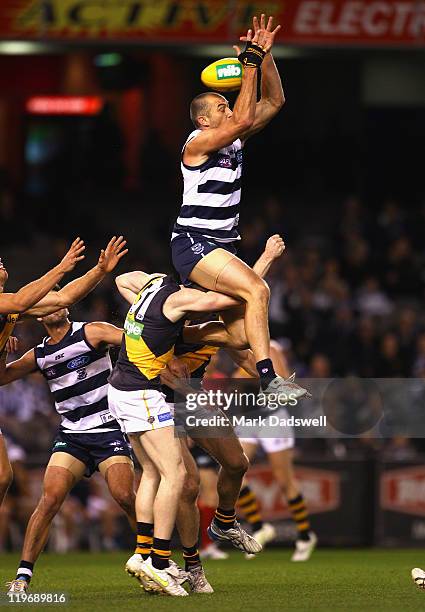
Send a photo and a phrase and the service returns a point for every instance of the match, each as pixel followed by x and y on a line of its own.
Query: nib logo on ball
pixel 223 75
pixel 228 72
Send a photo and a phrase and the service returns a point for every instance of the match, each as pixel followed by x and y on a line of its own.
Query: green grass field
pixel 333 580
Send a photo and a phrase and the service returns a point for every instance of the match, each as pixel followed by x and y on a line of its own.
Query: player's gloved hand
pixel 252 56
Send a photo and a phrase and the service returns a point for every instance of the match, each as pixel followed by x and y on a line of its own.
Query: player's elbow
pixel 244 124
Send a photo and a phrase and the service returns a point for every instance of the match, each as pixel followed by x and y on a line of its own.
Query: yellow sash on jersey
pixel 7 330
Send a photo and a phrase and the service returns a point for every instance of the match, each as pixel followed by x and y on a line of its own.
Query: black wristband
pixel 252 56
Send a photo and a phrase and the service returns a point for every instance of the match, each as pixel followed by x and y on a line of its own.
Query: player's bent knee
pixel 237 466
pixel 125 499
pixel 50 504
pixel 191 487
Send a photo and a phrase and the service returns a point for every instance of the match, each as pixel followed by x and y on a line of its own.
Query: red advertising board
pixel 403 490
pixel 321 489
pixel 305 22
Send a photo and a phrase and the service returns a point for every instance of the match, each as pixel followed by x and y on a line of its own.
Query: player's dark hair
pixel 200 105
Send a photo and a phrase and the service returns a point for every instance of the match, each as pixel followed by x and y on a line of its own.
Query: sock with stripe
pixel 25 571
pixel 144 539
pixel 161 553
pixel 299 514
pixel 248 506
pixel 266 372
pixel 191 557
pixel 225 519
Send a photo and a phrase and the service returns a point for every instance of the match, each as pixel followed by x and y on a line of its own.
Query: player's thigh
pixel 148 466
pixel 163 449
pixel 222 271
pixel 62 473
pixel 118 473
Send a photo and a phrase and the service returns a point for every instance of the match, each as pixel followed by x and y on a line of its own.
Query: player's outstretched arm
pixel 77 289
pixel 272 251
pixel 272 95
pixel 244 110
pixel 129 284
pixel 17 369
pixel 32 293
pixel 101 334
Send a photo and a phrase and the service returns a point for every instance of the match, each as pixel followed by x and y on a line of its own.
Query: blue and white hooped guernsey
pixel 77 375
pixel 212 195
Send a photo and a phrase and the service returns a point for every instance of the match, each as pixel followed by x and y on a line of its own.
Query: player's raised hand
pixel 73 256
pixel 274 246
pixel 109 257
pixel 263 35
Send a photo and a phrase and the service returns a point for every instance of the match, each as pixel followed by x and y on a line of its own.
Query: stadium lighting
pixel 64 105
pixel 19 47
pixel 106 60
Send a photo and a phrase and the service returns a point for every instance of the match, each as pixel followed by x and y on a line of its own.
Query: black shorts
pixel 92 448
pixel 202 459
pixel 187 249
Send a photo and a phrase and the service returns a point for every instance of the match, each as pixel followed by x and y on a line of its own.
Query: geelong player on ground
pixel 205 234
pixel 74 359
pixel 14 304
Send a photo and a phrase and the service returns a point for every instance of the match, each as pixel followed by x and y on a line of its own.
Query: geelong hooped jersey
pixel 212 194
pixel 7 325
pixel 77 375
pixel 149 338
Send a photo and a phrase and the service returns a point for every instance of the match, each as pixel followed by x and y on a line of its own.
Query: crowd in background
pixel 346 298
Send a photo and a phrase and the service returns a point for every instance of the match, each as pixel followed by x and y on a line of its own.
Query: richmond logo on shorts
pixel 198 248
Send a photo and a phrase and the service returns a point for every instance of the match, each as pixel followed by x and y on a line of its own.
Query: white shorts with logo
pixel 265 435
pixel 143 410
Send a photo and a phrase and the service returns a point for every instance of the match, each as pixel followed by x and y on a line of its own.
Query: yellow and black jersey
pixel 7 325
pixel 197 358
pixel 148 339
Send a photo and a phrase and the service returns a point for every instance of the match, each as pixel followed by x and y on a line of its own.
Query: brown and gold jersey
pixel 7 325
pixel 148 339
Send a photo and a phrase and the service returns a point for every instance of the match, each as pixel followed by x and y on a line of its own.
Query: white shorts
pixel 143 410
pixel 265 435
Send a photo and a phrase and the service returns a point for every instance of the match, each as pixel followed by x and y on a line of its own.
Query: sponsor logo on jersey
pixel 117 449
pixel 198 248
pixel 164 417
pixel 105 417
pixel 50 373
pixel 151 419
pixel 228 71
pixel 60 356
pixel 115 443
pixel 78 362
pixel 133 329
pixel 59 444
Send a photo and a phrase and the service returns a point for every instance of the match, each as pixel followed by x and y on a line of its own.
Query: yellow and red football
pixel 223 75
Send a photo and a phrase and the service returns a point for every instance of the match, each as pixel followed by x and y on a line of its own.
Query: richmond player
pixel 159 308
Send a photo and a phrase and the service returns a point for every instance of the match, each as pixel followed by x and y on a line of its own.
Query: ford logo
pixel 78 362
